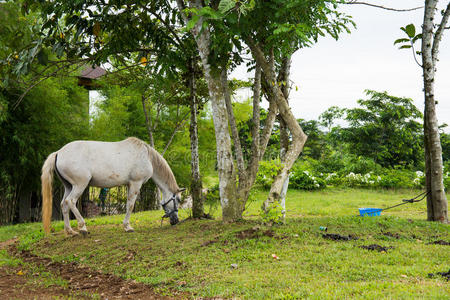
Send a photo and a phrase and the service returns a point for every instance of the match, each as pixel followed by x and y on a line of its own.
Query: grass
pixel 197 256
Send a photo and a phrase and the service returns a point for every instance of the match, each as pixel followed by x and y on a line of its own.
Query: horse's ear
pixel 181 190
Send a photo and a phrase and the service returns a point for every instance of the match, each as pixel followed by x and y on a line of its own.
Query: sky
pixel 337 72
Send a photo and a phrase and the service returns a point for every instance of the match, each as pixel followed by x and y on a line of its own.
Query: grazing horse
pixel 80 164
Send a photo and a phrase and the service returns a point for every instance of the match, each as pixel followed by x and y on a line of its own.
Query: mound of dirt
pixel 446 275
pixel 376 247
pixel 440 242
pixel 338 237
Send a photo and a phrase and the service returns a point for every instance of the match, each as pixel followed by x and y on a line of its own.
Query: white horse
pixel 80 164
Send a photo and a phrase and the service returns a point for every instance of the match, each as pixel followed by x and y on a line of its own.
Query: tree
pixel 385 129
pixel 328 117
pixel 219 28
pixel 432 32
pixel 274 30
pixel 54 113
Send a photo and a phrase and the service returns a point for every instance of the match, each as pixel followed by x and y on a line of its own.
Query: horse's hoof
pixel 84 233
pixel 128 230
pixel 71 233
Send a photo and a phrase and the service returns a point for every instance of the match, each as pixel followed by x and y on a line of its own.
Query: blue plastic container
pixel 371 212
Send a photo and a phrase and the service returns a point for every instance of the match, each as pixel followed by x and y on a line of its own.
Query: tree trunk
pixel 232 122
pixel 227 178
pixel 436 200
pixel 196 181
pixel 298 136
pixel 284 134
pixel 258 143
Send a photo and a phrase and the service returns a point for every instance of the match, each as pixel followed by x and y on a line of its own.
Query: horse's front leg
pixel 133 192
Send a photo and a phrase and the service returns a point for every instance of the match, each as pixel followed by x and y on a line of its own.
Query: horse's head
pixel 170 206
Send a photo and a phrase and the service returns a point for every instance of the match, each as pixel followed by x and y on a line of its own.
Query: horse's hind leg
pixel 133 192
pixel 65 210
pixel 71 201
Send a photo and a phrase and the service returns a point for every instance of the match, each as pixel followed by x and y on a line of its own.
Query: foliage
pixel 385 129
pixel 445 144
pixel 267 172
pixel 212 198
pixel 412 37
pixel 316 141
pixel 272 215
pixel 303 180
pixel 331 114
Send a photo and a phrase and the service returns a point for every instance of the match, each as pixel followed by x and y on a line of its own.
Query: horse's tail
pixel 47 197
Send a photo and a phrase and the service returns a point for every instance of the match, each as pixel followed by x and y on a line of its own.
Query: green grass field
pixel 209 259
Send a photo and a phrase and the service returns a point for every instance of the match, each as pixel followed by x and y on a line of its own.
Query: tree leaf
pixel 226 5
pixel 417 37
pixel 410 30
pixel 405 47
pixel 403 40
pixel 192 22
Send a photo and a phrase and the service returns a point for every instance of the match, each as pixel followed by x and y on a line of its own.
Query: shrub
pixel 304 180
pixel 267 172
pixel 358 180
pixel 212 197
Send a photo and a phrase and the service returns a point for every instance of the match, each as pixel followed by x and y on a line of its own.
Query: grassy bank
pixel 208 258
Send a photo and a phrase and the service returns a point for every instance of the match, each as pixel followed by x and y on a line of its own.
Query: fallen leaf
pixel 404 276
pixel 20 273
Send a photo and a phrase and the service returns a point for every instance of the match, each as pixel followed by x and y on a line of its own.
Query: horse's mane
pixel 159 163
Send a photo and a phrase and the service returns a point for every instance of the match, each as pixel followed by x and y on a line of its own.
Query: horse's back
pixel 106 164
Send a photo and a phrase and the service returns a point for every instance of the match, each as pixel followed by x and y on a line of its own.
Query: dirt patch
pixel 14 284
pixel 207 243
pixel 376 247
pixel 392 235
pixel 338 237
pixel 440 242
pixel 83 282
pixel 446 275
pixel 255 233
pixel 6 244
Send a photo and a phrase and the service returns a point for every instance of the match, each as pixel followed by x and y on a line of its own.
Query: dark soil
pixel 446 275
pixel 393 235
pixel 254 233
pixel 338 237
pixel 440 242
pixel 375 247
pixel 83 282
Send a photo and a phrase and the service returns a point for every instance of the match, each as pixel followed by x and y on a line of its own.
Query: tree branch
pixel 439 32
pixel 177 127
pixel 382 7
pixel 232 121
pixel 252 167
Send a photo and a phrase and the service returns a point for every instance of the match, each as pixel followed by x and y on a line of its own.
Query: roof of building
pixel 92 73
